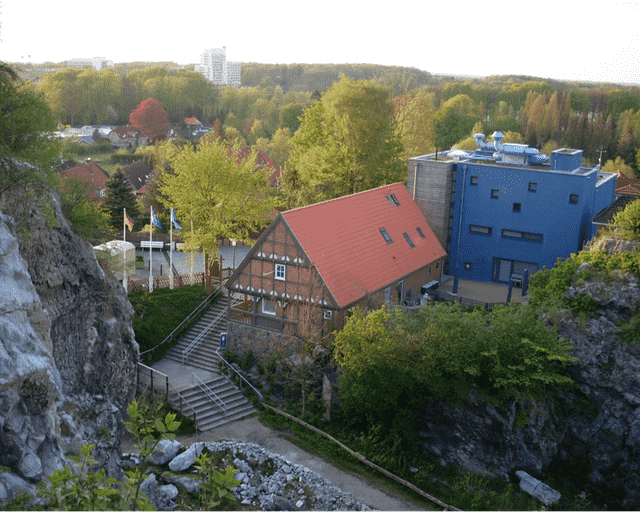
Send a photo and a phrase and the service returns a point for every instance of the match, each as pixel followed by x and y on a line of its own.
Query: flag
pixel 174 221
pixel 154 220
pixel 128 221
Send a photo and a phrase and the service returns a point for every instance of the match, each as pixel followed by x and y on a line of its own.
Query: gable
pixel 256 274
pixel 344 240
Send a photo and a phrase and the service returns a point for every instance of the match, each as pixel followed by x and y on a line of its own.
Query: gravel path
pixel 250 430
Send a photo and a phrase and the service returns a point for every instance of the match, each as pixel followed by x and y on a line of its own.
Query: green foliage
pixel 444 352
pixel 246 362
pixel 157 314
pixel 550 284
pixel 629 220
pixel 85 217
pixel 118 196
pixel 215 485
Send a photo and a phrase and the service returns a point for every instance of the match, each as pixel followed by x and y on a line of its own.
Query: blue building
pixel 507 208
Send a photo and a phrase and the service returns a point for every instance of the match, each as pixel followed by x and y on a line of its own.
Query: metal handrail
pixel 168 386
pixel 187 351
pixel 195 380
pixel 195 312
pixel 260 397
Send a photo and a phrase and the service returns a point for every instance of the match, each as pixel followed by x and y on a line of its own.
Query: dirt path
pixel 250 430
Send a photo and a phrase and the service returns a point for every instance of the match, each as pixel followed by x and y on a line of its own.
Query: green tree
pixel 118 196
pixel 346 141
pixel 415 123
pixel 629 219
pixel 618 166
pixel 224 196
pixel 25 121
pixel 85 217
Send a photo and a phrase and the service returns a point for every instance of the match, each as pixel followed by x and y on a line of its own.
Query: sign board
pixel 223 340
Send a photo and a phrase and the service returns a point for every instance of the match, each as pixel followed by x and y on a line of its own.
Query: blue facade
pixel 506 217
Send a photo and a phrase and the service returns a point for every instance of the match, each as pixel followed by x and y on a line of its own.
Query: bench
pixel 145 244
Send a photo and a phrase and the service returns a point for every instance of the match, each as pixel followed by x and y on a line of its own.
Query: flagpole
pixel 151 251
pixel 124 249
pixel 191 253
pixel 171 251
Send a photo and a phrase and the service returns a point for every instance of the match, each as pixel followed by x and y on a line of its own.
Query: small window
pixel 483 230
pixel 437 264
pixel 281 271
pixel 429 270
pixel 268 307
pixel 495 192
pixel 393 200
pixel 573 198
pixel 516 207
pixel 474 180
pixel 511 234
pixel 467 265
pixel 533 187
pixel 422 235
pixel 408 239
pixel 328 314
pixel 386 235
pixel 387 294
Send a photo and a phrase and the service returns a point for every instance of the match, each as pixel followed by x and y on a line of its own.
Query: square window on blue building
pixel 467 265
pixel 516 207
pixel 533 187
pixel 573 198
pixel 474 180
pixel 495 192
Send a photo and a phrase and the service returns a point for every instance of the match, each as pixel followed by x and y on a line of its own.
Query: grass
pixel 158 313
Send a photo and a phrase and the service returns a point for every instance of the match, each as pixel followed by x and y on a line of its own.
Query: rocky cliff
pixel 67 350
pixel 592 431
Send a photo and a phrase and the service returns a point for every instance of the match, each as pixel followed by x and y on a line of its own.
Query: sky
pixel 566 40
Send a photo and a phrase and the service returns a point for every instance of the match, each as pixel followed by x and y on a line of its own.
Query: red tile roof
pixel 342 239
pixel 90 173
pixel 633 190
pixel 192 121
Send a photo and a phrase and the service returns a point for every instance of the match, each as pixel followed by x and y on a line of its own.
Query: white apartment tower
pixel 215 68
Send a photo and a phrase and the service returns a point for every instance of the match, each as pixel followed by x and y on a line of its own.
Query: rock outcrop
pixel 594 428
pixel 68 354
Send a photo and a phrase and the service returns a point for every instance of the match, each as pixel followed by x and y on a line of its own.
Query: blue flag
pixel 174 221
pixel 154 220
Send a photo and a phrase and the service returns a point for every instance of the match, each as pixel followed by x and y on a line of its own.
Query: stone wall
pixel 242 338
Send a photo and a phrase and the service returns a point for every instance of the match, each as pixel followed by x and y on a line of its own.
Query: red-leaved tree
pixel 150 119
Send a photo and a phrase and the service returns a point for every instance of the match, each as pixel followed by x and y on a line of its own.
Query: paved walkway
pixel 179 375
pixel 477 290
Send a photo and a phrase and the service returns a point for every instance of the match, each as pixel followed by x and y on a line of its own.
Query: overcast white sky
pixel 551 39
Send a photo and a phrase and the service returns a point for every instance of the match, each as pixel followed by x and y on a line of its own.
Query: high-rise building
pixel 96 62
pixel 215 67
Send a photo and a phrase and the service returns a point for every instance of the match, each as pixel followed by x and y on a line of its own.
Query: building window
pixel 467 265
pixel 281 271
pixel 533 187
pixel 393 200
pixel 516 207
pixel 422 235
pixel 522 235
pixel 573 198
pixel 328 315
pixel 268 307
pixel 386 235
pixel 495 192
pixel 474 180
pixel 482 230
pixel 437 264
pixel 429 270
pixel 408 239
pixel 387 295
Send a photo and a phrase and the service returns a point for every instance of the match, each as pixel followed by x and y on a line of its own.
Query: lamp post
pixel 234 242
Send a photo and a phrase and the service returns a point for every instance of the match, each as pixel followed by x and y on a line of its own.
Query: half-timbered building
pixel 361 250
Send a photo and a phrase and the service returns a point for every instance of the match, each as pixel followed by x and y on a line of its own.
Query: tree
pixel 85 217
pixel 151 119
pixel 25 121
pixel 225 196
pixel 414 123
pixel 346 141
pixel 118 196
pixel 618 166
pixel 629 219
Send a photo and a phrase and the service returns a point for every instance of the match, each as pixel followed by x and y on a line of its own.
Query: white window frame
pixel 281 276
pixel 266 303
pixel 328 314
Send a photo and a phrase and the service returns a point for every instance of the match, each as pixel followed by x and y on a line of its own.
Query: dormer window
pixel 386 235
pixel 408 239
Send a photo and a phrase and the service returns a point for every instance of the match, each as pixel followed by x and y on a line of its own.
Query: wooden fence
pixel 163 282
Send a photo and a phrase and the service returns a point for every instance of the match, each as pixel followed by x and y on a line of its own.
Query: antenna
pixel 600 158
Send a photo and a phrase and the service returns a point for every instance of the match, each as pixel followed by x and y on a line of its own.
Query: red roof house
pixel 363 250
pixel 91 174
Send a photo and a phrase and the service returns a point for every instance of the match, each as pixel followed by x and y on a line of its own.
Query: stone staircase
pixel 203 361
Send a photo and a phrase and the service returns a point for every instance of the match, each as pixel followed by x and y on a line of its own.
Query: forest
pixel 429 112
